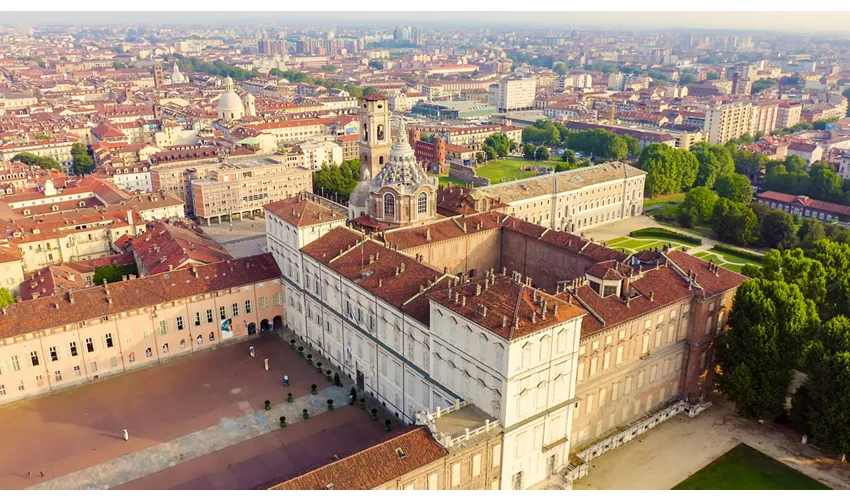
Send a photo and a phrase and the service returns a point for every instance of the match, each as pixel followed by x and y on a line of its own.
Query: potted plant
pixel 289 398
pixel 268 405
pixel 283 421
pixel 313 389
pixel 319 367
pixel 292 344
pixel 330 405
pixel 374 414
pixel 387 425
pixel 304 414
pixel 337 381
pixel 301 351
pixel 362 403
pixel 309 359
pixel 328 375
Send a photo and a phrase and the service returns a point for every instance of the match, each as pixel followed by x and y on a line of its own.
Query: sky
pixel 805 22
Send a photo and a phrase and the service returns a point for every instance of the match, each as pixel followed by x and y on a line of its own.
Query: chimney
pixel 421 288
pixel 377 256
pixel 652 296
pixel 477 290
pixel 70 296
pixel 396 271
pixel 504 271
pixel 516 321
pixel 380 282
pixel 401 268
pixel 555 309
pixel 533 317
pixel 543 313
pixel 446 271
pixel 371 259
pixel 428 234
pixel 463 301
pixel 170 267
pixel 457 297
pixel 504 321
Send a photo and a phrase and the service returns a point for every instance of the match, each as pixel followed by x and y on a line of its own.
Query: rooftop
pixel 300 212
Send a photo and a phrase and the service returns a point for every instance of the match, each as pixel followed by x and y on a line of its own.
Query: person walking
pixel 286 380
pixel 42 473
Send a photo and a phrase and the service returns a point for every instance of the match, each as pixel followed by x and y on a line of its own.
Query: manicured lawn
pixel 744 468
pixel 509 169
pixel 667 198
pixel 445 180
pixel 631 245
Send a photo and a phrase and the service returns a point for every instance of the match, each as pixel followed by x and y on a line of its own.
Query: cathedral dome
pixel 177 76
pixel 230 105
pixel 402 172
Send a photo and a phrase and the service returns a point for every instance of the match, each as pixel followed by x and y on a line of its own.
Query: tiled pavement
pixel 227 433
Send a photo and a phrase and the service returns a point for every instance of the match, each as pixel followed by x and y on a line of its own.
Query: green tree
pixel 632 144
pixel 768 327
pixel 793 267
pixel 560 68
pixel 113 274
pixel 809 232
pixel 500 143
pixel 376 64
pixel 40 161
pixel 6 297
pixel 353 90
pixel 735 187
pixel 734 222
pixel 714 161
pixel 569 156
pixel 337 180
pixel 777 230
pixel 828 385
pixel 669 170
pixel 82 162
pixel 480 157
pixel 329 68
pixel 528 151
pixel 119 65
pixel 541 153
pixel 699 203
pixel 489 152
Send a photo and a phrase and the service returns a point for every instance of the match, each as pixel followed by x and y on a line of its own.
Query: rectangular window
pixel 128 336
pixel 606 360
pixel 108 340
pixel 277 299
pixel 619 354
pixel 476 465
pixel 263 303
pixel 602 393
pixel 497 455
pixel 593 362
pixel 179 323
pixel 236 309
pixel 628 388
pixel 94 366
pixel 197 318
pixel 145 331
pixel 15 363
pixel 34 358
pixel 665 368
pixel 455 474
pixel 114 361
pixel 652 371
pixel 248 308
pixel 615 391
pixel 645 347
pixel 209 315
pixel 163 327
pixel 54 356
pixel 57 375
pixel 432 481
pixel 640 379
pixel 580 372
pixel 21 385
pixel 2 390
pixel 222 312
pixel 89 345
pixel 77 371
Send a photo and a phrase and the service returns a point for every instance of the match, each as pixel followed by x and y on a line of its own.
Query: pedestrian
pixel 29 474
pixel 286 380
pixel 42 473
pixel 126 435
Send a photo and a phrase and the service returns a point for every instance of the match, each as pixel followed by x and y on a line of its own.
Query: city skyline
pixel 797 22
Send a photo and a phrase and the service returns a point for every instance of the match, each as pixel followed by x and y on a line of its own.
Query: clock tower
pixel 375 137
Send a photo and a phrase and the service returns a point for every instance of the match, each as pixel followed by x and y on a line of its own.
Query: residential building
pixel 811 152
pixel 804 206
pixel 788 114
pixel 724 122
pixel 512 94
pixel 166 246
pixel 59 341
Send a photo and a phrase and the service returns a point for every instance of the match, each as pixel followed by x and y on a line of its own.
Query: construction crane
pixel 613 110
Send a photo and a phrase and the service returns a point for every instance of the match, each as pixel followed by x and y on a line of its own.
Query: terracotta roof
pixel 300 212
pixel 374 96
pixel 445 229
pixel 164 247
pixel 10 253
pixel 805 201
pixel 371 467
pixel 57 311
pixel 507 302
pixel 333 244
pixel 710 283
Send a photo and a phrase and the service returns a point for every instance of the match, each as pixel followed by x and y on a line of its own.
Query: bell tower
pixel 375 137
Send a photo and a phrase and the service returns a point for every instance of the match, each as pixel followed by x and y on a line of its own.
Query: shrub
pixel 660 232
pixel 313 389
pixel 330 405
pixel 754 257
pixel 305 415
pixel 283 421
pixel 268 405
pixel 289 398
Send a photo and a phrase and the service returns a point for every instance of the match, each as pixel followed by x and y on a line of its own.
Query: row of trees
pixel 217 68
pixel 793 316
pixel 337 180
pixel 820 181
pixel 44 162
pixel 599 142
pixel 672 170
pixel 298 77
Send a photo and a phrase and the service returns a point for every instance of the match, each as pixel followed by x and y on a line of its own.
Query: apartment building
pixel 513 94
pixel 788 114
pixel 804 206
pixel 59 341
pixel 764 117
pixel 59 149
pixel 316 153
pixel 240 188
pixel 724 122
pixel 294 131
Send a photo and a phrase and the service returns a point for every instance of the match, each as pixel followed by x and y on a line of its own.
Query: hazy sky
pixel 807 22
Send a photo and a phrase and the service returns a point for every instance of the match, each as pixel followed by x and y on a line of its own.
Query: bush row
pixel 659 232
pixel 739 253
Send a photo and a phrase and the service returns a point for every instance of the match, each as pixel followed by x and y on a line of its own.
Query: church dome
pixel 230 105
pixel 177 76
pixel 401 172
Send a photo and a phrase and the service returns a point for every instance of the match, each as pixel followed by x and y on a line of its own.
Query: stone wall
pixel 466 174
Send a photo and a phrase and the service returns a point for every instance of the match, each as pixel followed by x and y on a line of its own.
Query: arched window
pixel 380 160
pixel 182 344
pixel 164 348
pixel 212 337
pixel 380 133
pixel 148 352
pixel 199 340
pixel 422 204
pixel 389 206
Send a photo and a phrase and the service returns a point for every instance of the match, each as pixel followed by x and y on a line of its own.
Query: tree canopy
pixel 699 204
pixel 41 161
pixel 337 180
pixel 734 222
pixel 669 170
pixel 6 297
pixel 714 161
pixel 735 187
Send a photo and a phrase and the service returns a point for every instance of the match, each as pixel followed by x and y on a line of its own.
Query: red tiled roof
pixel 300 212
pixel 710 283
pixel 58 311
pixel 371 467
pixel 455 227
pixel 805 201
pixel 332 245
pixel 506 301
pixel 164 247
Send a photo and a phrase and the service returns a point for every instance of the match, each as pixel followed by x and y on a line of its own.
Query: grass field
pixel 744 468
pixel 663 199
pixel 632 245
pixel 509 169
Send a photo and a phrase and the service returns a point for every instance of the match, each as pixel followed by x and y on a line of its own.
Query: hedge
pixel 660 232
pixel 739 253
